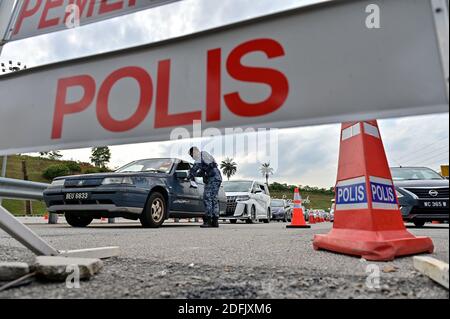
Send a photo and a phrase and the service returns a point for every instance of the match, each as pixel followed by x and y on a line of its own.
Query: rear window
pixel 277 203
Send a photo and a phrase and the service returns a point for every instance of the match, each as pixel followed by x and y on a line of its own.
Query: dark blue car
pixel 150 190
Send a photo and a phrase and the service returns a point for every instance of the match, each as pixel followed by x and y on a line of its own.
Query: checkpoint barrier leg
pixel 39 247
pixel 25 235
pixel 367 222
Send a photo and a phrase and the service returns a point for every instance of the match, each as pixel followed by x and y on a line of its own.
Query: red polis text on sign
pixel 46 20
pixel 98 93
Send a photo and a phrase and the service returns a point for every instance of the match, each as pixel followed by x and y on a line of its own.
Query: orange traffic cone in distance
pixel 46 216
pixel 367 218
pixel 298 220
pixel 311 219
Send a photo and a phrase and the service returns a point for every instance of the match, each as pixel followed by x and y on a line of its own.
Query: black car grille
pixel 231 205
pixel 82 183
pixel 81 202
pixel 424 193
pixel 428 211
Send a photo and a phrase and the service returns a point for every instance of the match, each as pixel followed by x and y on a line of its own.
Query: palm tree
pixel 228 167
pixel 266 171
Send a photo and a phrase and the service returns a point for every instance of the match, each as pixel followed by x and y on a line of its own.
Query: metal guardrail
pixel 19 189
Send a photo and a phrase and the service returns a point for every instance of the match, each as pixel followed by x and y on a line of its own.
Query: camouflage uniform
pixel 207 168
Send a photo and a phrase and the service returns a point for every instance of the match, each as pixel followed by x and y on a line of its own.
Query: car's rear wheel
pixel 252 218
pixel 155 211
pixel 79 221
pixel 419 223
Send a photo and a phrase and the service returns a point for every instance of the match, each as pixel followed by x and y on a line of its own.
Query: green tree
pixel 266 171
pixel 53 155
pixel 228 167
pixel 100 156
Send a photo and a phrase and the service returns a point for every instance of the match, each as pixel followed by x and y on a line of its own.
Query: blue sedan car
pixel 150 190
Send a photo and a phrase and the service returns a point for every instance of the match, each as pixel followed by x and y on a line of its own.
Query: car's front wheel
pixel 155 211
pixel 252 218
pixel 79 221
pixel 419 223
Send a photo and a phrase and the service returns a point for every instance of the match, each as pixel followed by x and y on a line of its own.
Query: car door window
pixel 263 189
pixel 183 166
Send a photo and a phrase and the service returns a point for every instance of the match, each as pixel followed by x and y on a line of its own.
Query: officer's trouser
pixel 211 198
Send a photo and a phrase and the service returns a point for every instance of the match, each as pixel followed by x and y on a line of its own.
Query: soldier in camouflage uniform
pixel 205 166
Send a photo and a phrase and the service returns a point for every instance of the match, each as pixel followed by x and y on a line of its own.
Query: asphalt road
pixel 180 260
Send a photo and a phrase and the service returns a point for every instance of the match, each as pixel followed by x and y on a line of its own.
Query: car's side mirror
pixel 182 174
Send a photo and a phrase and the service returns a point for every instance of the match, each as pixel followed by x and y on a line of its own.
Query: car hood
pixel 105 175
pixel 422 183
pixel 277 209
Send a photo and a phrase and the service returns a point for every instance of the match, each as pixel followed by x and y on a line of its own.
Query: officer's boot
pixel 215 222
pixel 207 222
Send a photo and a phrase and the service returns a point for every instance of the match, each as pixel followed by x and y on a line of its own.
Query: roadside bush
pixel 56 170
pixel 73 167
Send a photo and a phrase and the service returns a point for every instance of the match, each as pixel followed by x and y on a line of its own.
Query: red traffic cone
pixel 46 216
pixel 298 220
pixel 311 219
pixel 367 221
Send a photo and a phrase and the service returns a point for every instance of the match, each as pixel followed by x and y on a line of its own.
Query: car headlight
pixel 117 180
pixel 243 198
pixel 57 183
pixel 399 195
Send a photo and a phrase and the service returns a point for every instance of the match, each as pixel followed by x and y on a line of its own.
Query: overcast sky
pixel 306 156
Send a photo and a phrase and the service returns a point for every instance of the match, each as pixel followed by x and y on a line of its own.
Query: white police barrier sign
pixel 302 67
pixel 35 17
pixel 351 194
pixel 383 194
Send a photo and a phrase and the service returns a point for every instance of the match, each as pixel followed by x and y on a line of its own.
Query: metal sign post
pixel 5 162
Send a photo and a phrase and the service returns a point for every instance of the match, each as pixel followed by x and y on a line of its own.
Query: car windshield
pixel 277 203
pixel 237 187
pixel 416 173
pixel 148 165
